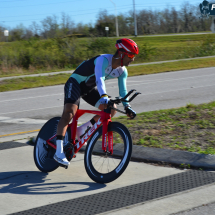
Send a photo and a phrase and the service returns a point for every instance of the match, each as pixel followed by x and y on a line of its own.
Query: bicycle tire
pixel 121 151
pixel 43 153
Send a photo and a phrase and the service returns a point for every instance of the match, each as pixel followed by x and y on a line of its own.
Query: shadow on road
pixel 32 182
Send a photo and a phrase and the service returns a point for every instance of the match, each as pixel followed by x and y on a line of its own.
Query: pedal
pixel 74 156
pixel 64 166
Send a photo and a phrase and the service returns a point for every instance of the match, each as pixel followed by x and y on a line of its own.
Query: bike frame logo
pixel 207 9
pixel 88 134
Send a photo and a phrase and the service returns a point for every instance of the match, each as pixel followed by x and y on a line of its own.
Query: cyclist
pixel 87 82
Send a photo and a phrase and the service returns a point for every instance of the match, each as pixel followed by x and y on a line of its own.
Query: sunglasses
pixel 130 55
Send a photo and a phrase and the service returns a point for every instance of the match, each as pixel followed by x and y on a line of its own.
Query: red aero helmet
pixel 128 45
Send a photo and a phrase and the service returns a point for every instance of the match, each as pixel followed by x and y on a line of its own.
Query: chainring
pixel 69 151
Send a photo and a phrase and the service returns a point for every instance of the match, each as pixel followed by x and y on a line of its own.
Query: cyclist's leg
pixel 72 95
pixel 68 113
pixel 92 98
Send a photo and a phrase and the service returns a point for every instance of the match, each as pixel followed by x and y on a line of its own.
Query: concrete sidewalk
pixel 141 189
pixel 71 71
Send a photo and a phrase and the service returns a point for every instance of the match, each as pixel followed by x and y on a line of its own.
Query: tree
pixel 17 33
pixel 105 20
pixel 50 27
pixel 67 25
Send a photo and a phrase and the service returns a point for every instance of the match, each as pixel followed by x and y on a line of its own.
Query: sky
pixel 15 12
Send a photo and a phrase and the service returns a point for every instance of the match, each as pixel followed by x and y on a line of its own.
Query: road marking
pixel 159 80
pixel 23 132
pixel 194 88
pixel 33 109
pixel 61 106
pixel 173 79
pixel 35 89
pixel 21 120
pixel 127 85
pixel 32 97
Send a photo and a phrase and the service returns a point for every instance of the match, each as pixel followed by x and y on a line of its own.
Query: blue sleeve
pixel 101 63
pixel 122 85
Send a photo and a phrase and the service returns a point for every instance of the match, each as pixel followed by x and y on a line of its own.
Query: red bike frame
pixel 104 119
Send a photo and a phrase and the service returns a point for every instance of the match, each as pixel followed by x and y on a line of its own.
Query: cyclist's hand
pixel 130 113
pixel 104 100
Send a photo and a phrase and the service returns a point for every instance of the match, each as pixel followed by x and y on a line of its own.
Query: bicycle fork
pixel 107 136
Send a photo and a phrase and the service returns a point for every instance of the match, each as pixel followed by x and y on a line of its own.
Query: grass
pixel 42 81
pixel 190 128
pixel 21 71
pixel 31 82
pixel 172 66
pixel 28 57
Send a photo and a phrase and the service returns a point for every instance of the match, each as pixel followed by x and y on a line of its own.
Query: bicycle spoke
pixel 105 164
pixel 108 164
pixel 98 160
pixel 101 165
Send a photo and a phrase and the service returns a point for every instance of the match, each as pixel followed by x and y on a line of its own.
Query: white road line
pixel 32 97
pixel 194 88
pixel 139 95
pixel 160 80
pixel 178 79
pixel 33 109
pixel 33 89
pixel 21 120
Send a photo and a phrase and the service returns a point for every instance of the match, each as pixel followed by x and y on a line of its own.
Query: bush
pixel 206 48
pixel 100 45
pixel 146 51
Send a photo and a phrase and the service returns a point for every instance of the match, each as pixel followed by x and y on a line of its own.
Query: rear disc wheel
pixel 43 153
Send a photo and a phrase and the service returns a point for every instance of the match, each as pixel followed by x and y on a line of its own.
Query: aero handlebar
pixel 120 99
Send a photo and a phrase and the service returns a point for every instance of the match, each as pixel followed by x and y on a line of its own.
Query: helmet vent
pixel 131 41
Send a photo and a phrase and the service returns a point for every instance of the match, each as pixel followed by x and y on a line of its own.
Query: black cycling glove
pixel 132 114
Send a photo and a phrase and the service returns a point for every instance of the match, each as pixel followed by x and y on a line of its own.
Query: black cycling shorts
pixel 73 93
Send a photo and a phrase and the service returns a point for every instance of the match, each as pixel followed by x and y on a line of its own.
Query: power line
pixel 40 19
pixel 75 1
pixel 12 1
pixel 60 12
pixel 122 7
pixel 42 4
pixel 52 13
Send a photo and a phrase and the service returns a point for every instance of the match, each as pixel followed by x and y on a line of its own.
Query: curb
pixel 145 154
pixel 175 157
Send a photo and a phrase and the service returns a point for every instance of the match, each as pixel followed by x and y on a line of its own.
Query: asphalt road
pixel 26 110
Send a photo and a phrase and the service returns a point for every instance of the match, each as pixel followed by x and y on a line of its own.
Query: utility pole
pixel 135 20
pixel 116 20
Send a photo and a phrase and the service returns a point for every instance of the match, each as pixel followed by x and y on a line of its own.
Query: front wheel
pixel 101 166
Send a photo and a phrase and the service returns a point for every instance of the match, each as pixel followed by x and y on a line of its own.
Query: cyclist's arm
pixel 101 63
pixel 122 85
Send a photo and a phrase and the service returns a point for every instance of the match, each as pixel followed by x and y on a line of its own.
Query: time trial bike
pixel 108 150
